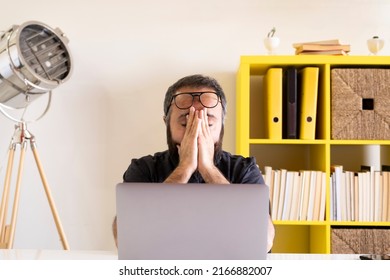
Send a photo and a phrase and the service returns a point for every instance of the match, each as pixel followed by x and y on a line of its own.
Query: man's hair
pixel 195 81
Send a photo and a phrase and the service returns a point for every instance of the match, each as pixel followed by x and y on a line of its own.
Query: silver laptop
pixel 192 221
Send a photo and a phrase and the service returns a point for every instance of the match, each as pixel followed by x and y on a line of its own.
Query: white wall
pixel 126 54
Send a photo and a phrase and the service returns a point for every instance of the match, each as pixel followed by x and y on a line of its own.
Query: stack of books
pixel 296 195
pixel 328 47
pixel 360 196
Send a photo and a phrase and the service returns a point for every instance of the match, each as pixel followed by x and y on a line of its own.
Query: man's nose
pixel 197 104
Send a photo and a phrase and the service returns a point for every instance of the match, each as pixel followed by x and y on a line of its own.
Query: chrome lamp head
pixel 34 60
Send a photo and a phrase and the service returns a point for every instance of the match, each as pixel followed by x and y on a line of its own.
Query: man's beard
pixel 174 152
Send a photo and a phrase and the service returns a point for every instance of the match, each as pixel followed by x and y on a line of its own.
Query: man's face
pixel 178 117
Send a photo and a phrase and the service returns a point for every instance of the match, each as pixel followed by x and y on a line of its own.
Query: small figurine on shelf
pixel 375 45
pixel 271 42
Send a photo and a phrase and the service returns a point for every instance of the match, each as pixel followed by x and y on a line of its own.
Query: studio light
pixel 34 60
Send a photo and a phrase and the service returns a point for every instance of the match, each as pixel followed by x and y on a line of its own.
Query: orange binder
pixel 308 107
pixel 273 87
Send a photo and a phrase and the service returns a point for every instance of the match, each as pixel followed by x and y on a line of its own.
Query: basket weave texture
pixel 360 241
pixel 349 89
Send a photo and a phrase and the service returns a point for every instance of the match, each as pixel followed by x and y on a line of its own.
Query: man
pixel 194 114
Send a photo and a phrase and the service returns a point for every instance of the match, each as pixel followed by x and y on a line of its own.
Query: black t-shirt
pixel 156 168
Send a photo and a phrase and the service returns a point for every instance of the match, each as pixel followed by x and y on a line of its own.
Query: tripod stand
pixel 21 138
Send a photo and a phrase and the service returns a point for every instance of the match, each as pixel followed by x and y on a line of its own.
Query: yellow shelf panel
pixel 302 223
pixel 359 142
pixel 259 64
pixel 359 224
pixel 287 141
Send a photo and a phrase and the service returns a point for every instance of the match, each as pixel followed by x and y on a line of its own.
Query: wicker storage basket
pixel 360 102
pixel 360 241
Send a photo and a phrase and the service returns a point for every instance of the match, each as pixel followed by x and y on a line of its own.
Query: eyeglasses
pixel 185 100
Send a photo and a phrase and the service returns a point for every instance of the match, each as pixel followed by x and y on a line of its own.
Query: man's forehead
pixel 194 88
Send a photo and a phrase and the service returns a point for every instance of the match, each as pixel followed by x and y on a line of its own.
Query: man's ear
pixel 165 119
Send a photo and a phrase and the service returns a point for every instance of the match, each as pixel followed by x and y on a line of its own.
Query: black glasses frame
pixel 194 94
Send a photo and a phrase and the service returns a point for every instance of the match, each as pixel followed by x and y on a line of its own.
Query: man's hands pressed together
pixel 188 149
pixel 196 150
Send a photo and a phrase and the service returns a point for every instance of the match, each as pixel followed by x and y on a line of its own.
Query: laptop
pixel 158 221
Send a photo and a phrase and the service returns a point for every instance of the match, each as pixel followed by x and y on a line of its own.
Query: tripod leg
pixel 15 207
pixel 5 196
pixel 50 199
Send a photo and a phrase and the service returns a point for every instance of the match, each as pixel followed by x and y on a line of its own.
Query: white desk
pixel 312 257
pixel 19 254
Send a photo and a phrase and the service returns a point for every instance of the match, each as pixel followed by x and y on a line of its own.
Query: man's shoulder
pixel 239 169
pixel 226 156
pixel 149 168
pixel 156 157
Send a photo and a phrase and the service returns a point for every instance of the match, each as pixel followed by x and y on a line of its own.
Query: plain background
pixel 126 54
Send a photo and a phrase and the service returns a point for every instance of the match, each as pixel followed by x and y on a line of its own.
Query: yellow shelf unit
pixel 296 154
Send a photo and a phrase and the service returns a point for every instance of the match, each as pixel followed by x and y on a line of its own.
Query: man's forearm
pixel 213 176
pixel 271 234
pixel 180 175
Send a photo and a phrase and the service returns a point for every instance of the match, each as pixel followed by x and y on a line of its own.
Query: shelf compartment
pixel 351 155
pixel 291 157
pixel 256 105
pixel 301 239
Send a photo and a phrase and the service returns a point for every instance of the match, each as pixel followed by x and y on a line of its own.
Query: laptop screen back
pixel 192 221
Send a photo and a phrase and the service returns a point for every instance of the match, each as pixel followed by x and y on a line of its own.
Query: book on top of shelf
pixel 327 47
pixel 328 52
pixel 324 42
pixel 322 47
